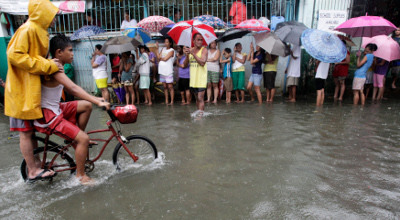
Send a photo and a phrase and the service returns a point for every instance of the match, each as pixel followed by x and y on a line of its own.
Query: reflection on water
pixel 238 161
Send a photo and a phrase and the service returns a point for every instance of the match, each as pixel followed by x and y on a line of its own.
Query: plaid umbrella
pixel 213 21
pixel 290 31
pixel 323 46
pixel 154 23
pixel 253 25
pixel 138 33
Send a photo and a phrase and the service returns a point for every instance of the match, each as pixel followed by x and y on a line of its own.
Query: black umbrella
pixel 290 31
pixel 165 30
pixel 232 34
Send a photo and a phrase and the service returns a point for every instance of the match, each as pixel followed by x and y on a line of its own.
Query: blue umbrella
pixel 139 33
pixel 165 30
pixel 213 21
pixel 87 31
pixel 323 46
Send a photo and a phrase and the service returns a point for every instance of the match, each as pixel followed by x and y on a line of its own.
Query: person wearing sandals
pixel 213 72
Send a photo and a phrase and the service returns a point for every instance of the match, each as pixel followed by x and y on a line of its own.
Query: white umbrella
pixel 119 45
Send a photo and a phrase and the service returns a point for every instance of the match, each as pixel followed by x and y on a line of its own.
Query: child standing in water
pixel 227 74
pixel 360 74
pixel 238 71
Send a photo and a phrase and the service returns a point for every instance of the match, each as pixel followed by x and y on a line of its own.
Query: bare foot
pixel 237 101
pixel 86 181
pixel 215 101
pixel 227 102
pixel 250 101
pixel 207 101
pixel 183 103
pixel 241 101
pixel 291 100
pixel 150 103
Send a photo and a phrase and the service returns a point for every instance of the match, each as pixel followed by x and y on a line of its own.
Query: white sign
pixel 20 7
pixel 328 20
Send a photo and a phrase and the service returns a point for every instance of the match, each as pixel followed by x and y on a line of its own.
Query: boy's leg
pixel 81 151
pixel 83 111
pixel 105 94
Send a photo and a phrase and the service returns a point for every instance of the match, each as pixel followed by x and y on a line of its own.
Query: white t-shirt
pixel 166 68
pixel 126 24
pixel 294 64
pixel 144 62
pixel 322 71
pixel 100 72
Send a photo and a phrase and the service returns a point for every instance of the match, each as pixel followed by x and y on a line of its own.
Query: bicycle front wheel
pixel 141 146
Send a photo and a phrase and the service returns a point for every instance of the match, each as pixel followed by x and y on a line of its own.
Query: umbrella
pixel 233 34
pixel 388 49
pixel 87 31
pixel 139 33
pixel 290 31
pixel 272 44
pixel 119 91
pixel 324 46
pixel 213 21
pixel 366 26
pixel 347 39
pixel 154 23
pixel 253 25
pixel 119 45
pixel 165 30
pixel 183 32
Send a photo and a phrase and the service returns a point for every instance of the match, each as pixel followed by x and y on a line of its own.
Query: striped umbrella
pixel 154 23
pixel 138 33
pixel 213 21
pixel 253 25
pixel 183 32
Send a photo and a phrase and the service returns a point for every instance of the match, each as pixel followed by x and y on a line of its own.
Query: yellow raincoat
pixel 26 62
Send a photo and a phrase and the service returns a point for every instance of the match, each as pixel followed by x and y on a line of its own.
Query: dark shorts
pixel 64 125
pixel 319 83
pixel 21 125
pixel 183 84
pixel 114 75
pixel 269 79
pixel 197 90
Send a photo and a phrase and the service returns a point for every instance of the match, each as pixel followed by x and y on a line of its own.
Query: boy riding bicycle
pixel 67 120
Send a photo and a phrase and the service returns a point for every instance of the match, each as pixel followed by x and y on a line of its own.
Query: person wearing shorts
pixel 144 74
pixel 269 73
pixel 380 72
pixel 360 74
pixel 320 77
pixel 369 79
pixel 227 73
pixel 238 71
pixel 127 63
pixel 340 73
pixel 293 72
pixel 184 75
pixel 213 68
pixel 115 68
pixel 166 69
pixel 256 60
pixel 99 65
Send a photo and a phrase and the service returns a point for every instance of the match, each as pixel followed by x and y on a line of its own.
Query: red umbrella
pixel 182 33
pixel 253 25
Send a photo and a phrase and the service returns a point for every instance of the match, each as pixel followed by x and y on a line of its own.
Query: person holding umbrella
pixel 99 65
pixel 197 58
pixel 360 74
pixel 256 60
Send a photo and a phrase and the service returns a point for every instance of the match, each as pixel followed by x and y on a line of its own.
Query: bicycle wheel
pixel 141 146
pixel 62 161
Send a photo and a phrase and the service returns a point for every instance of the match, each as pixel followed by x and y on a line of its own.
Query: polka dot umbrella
pixel 154 24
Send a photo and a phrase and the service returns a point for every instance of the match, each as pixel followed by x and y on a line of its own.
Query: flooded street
pixel 240 161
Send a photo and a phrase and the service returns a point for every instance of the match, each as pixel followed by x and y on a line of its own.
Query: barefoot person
pixel 238 71
pixel 184 75
pixel 269 73
pixel 256 59
pixel 395 63
pixel 360 74
pixel 26 54
pixel 320 77
pixel 293 72
pixel 213 72
pixel 99 65
pixel 227 73
pixel 340 73
pixel 166 68
pixel 197 56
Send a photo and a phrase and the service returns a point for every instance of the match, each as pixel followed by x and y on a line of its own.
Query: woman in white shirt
pixel 213 71
pixel 127 23
pixel 166 68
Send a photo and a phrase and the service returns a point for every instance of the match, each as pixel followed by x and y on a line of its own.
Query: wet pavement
pixel 240 161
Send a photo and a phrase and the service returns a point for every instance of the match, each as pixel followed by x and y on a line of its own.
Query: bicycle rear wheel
pixel 62 161
pixel 141 146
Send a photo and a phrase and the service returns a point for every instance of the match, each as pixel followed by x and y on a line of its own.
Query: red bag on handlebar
pixel 126 114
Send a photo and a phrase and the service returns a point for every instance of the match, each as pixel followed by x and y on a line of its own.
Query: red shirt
pixel 115 62
pixel 341 69
pixel 238 12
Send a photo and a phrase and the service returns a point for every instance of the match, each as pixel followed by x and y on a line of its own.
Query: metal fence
pixel 110 13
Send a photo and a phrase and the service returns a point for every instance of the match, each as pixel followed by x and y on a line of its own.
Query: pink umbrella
pixel 253 25
pixel 183 32
pixel 366 26
pixel 388 49
pixel 154 23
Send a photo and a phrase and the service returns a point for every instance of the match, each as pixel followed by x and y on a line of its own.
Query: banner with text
pixel 328 20
pixel 20 7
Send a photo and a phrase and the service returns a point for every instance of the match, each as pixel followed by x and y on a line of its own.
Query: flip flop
pixel 41 177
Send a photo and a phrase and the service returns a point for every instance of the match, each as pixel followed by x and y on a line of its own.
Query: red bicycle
pixel 135 148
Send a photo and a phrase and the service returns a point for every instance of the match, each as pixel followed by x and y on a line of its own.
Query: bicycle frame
pixel 107 141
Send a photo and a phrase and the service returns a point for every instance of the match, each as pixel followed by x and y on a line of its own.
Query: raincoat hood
pixel 42 12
